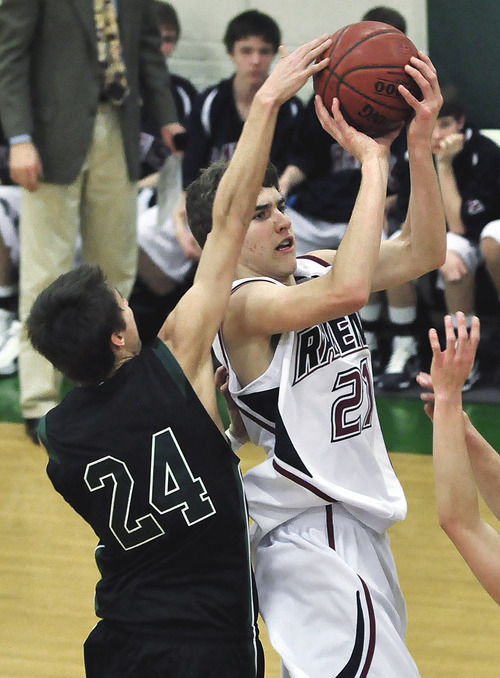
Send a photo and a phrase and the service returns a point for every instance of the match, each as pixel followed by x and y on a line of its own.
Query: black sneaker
pixel 30 426
pixel 403 365
pixel 473 378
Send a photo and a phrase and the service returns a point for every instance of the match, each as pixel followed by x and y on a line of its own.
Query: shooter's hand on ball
pixel 355 142
pixel 424 73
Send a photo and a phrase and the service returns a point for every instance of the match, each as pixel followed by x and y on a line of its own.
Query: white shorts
pixel 330 598
pixel 10 205
pixel 492 230
pixel 314 234
pixel 469 252
pixel 160 244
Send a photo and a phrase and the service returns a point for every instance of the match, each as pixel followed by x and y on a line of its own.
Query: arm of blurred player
pixel 456 492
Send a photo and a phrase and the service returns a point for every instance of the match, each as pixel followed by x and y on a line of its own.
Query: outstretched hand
pixel 293 70
pixel 236 425
pixel 451 367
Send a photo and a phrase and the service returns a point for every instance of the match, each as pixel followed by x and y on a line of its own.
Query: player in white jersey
pixel 300 372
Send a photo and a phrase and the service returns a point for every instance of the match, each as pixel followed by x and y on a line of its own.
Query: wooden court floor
pixel 47 577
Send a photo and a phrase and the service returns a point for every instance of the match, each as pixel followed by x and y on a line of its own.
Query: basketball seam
pixel 331 67
pixel 341 80
pixel 360 42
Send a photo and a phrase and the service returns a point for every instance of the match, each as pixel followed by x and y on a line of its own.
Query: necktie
pixel 109 52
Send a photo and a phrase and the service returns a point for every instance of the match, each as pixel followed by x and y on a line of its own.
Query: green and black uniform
pixel 140 459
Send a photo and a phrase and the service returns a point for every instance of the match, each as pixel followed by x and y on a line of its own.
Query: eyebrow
pixel 281 201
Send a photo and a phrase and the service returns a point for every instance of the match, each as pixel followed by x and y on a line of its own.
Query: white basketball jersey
pixel 313 410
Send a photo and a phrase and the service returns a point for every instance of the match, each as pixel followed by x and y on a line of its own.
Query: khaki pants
pixel 100 205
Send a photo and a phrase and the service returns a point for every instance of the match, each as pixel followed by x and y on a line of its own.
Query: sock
pixel 403 320
pixel 370 313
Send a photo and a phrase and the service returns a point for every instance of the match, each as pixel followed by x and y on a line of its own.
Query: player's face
pixel 252 59
pixel 269 246
pixel 445 126
pixel 168 40
pixel 130 334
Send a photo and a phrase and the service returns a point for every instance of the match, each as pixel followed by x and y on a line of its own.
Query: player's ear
pixel 117 341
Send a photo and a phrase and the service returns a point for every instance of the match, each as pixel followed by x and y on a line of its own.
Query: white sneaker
pixel 403 365
pixel 9 349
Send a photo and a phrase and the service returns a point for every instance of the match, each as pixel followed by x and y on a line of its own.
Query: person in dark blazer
pixel 73 149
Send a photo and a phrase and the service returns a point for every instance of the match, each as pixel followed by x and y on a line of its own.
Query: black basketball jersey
pixel 140 459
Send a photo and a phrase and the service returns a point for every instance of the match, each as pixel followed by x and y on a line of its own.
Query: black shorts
pixel 114 652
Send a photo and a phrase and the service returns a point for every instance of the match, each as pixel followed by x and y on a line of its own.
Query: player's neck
pixel 245 271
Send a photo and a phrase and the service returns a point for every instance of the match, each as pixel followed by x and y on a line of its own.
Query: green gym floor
pixel 405 426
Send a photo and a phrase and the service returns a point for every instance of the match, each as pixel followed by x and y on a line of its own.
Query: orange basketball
pixel 367 61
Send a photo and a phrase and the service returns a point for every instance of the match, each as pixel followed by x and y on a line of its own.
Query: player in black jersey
pixel 137 449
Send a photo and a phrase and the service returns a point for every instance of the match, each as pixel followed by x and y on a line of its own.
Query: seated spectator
pixel 322 179
pixel 163 270
pixel 490 250
pixel 10 327
pixel 468 166
pixel 251 39
pixel 387 15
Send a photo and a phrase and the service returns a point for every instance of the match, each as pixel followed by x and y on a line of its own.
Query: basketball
pixel 367 61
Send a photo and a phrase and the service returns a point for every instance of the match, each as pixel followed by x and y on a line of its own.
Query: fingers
pixel 221 377
pixel 451 338
pixel 423 57
pixel 283 52
pixel 429 410
pixel 424 73
pixel 474 333
pixel 424 379
pixel 434 342
pixel 467 341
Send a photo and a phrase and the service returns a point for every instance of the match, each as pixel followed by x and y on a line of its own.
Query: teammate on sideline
pixel 300 373
pixel 464 462
pixel 138 450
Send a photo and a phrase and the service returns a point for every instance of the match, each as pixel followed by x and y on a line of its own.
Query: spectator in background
pixel 468 166
pixel 490 251
pixel 386 15
pixel 10 327
pixel 70 107
pixel 164 273
pixel 322 179
pixel 251 39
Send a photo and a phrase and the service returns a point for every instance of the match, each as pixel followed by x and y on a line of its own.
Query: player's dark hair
pixel 386 15
pixel 71 323
pixel 452 103
pixel 252 23
pixel 200 196
pixel 167 16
